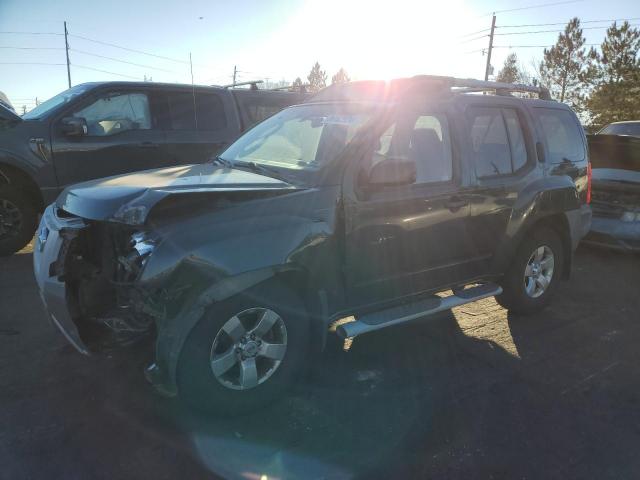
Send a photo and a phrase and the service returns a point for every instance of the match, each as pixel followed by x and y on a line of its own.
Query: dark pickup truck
pixel 352 210
pixel 96 130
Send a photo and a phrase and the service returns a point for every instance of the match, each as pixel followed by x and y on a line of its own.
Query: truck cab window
pixel 116 113
pixel 208 113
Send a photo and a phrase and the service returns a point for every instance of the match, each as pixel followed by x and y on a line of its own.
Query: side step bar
pixel 412 311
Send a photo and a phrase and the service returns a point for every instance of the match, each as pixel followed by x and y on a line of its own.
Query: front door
pixel 407 239
pixel 122 136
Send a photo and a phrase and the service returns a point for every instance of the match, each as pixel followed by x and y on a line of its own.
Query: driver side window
pixel 423 138
pixel 115 113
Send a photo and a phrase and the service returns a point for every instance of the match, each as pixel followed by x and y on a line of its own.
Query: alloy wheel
pixel 539 271
pixel 249 348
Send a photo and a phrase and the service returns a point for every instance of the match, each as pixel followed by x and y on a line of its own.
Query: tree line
pixel 602 86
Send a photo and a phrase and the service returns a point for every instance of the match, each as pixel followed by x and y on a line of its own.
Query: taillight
pixel 588 183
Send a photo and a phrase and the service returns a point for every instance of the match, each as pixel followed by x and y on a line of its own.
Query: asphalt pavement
pixel 475 393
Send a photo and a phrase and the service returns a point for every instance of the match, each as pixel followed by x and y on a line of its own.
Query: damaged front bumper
pixel 53 238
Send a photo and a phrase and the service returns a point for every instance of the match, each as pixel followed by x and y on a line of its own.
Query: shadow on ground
pixel 475 393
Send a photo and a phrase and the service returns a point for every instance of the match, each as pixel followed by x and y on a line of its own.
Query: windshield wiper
pixel 217 160
pixel 268 171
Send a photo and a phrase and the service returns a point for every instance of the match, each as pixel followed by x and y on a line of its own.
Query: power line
pixel 30 48
pixel 121 61
pixel 474 33
pixel 103 71
pixel 31 33
pixel 126 48
pixel 564 23
pixel 541 5
pixel 553 31
pixel 472 39
pixel 32 63
pixel 539 46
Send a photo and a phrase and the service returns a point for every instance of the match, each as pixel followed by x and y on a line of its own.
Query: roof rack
pixel 253 84
pixel 500 88
pixel 377 89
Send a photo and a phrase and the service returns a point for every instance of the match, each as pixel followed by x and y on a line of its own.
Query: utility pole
pixel 488 67
pixel 66 46
pixel 235 72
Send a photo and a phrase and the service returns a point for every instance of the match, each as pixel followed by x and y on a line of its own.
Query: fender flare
pixel 173 334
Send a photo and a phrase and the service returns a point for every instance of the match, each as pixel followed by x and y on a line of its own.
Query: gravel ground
pixel 475 393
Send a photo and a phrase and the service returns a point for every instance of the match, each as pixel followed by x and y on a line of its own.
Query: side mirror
pixel 393 171
pixel 74 127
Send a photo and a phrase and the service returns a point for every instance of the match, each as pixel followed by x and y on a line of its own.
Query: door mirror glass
pixel 393 171
pixel 74 126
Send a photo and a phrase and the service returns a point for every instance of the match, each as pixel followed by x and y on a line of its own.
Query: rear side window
pixel 497 140
pixel 563 135
pixel 208 113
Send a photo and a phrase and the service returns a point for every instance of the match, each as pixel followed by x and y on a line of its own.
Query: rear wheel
pixel 532 279
pixel 245 351
pixel 18 219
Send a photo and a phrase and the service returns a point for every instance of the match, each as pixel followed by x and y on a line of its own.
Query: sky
pixel 275 39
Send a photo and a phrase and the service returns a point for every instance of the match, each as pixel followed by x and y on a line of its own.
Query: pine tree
pixel 510 72
pixel 340 77
pixel 616 95
pixel 317 78
pixel 567 68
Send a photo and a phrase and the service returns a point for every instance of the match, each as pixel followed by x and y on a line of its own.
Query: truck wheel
pixel 18 219
pixel 533 277
pixel 245 351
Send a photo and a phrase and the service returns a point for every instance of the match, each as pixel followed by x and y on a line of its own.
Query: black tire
pixel 197 385
pixel 515 297
pixel 14 235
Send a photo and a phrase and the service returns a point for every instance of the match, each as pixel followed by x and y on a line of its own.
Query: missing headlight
pixel 141 246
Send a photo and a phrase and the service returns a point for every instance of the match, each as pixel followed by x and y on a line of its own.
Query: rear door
pixel 122 136
pixel 500 146
pixel 198 124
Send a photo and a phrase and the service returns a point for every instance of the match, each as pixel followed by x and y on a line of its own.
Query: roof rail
pixel 253 84
pixel 500 88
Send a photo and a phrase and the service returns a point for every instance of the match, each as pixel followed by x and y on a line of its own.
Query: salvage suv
pixel 351 211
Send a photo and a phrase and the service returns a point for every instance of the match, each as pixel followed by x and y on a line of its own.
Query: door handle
pixel 148 145
pixel 456 204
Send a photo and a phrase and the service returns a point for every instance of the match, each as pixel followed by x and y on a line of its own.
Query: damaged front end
pixel 87 272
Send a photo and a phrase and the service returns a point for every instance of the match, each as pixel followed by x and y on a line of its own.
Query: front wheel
pixel 18 219
pixel 245 351
pixel 532 279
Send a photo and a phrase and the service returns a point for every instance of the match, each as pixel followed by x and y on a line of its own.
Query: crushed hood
pixel 129 198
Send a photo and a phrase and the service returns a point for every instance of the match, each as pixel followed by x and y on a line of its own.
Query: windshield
pixel 53 102
pixel 299 138
pixel 632 129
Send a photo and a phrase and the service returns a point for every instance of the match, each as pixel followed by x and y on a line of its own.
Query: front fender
pixel 201 262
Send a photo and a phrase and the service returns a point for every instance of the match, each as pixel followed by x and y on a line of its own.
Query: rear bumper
pixel 52 240
pixel 614 233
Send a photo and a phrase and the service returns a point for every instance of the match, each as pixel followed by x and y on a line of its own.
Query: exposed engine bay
pixel 101 266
